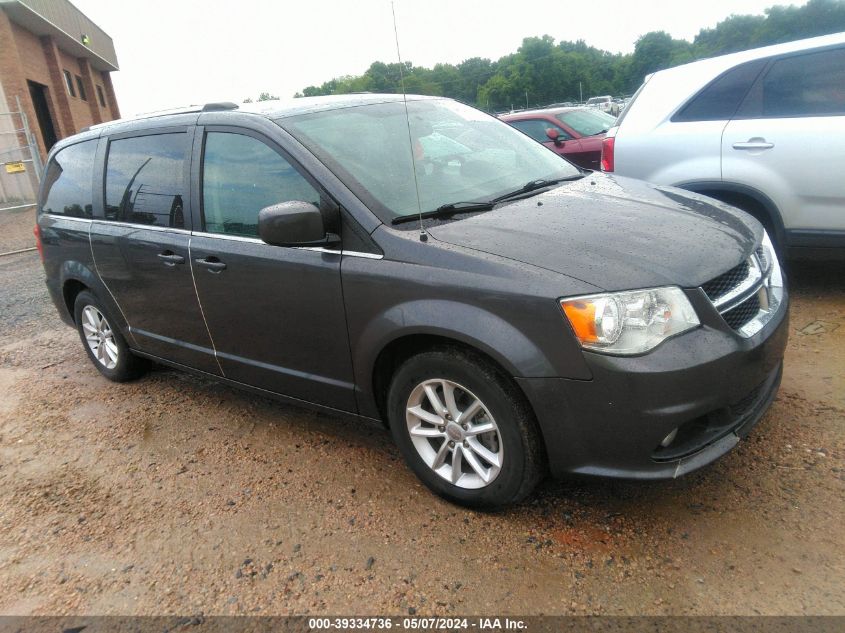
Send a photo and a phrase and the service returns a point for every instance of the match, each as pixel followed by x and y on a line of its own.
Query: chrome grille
pixel 726 282
pixel 743 313
pixel 762 258
pixel 744 295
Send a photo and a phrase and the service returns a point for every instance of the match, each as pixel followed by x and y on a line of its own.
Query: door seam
pixel 106 286
pixel 202 312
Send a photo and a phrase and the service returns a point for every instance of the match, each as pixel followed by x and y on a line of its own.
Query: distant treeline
pixel 565 71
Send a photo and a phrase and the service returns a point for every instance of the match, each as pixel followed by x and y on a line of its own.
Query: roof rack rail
pixel 219 106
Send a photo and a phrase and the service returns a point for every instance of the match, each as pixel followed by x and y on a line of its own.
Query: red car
pixel 575 133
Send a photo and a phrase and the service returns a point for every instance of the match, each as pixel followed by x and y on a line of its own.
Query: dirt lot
pixel 176 495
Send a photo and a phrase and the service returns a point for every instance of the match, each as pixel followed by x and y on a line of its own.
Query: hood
pixel 614 233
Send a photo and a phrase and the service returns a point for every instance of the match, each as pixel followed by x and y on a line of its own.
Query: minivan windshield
pixel 460 154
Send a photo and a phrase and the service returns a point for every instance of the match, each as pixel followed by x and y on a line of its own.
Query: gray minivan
pixel 419 262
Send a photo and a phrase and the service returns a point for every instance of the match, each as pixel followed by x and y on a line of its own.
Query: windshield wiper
pixel 534 185
pixel 446 211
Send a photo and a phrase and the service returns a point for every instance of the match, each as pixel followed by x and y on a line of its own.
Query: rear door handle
pixel 213 264
pixel 754 143
pixel 170 258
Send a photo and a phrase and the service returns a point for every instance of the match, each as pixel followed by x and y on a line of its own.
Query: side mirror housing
pixel 554 135
pixel 294 223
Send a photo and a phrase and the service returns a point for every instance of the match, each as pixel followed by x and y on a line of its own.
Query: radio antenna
pixel 423 234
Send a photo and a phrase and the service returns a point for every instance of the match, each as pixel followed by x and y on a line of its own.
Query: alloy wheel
pixel 100 337
pixel 454 433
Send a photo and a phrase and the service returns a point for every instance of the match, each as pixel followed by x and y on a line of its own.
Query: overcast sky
pixel 180 52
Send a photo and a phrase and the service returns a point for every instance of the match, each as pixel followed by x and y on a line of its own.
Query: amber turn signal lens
pixel 582 317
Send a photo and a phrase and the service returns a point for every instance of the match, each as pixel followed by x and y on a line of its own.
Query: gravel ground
pixel 175 495
pixel 16 229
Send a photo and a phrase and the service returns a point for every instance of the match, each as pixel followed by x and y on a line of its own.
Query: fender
pixel 77 271
pixel 709 187
pixel 517 354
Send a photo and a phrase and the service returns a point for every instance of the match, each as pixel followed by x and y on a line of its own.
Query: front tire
pixel 465 429
pixel 104 344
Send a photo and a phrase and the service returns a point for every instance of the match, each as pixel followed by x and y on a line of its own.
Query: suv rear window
pixel 719 100
pixel 68 189
pixel 145 179
pixel 806 85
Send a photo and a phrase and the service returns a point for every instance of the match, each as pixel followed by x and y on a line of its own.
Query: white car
pixel 602 103
pixel 763 130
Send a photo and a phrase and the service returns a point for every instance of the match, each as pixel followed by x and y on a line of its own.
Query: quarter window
pixel 145 180
pixel 806 85
pixel 68 189
pixel 241 176
pixel 536 129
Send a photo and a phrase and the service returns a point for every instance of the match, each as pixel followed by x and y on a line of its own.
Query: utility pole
pixel 526 99
pixel 580 93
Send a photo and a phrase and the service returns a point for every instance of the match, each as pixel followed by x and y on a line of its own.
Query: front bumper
pixel 710 383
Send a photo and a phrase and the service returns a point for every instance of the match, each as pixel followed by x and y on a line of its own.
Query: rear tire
pixel 482 449
pixel 103 343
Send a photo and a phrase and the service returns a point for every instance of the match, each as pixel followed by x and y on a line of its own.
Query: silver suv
pixel 763 130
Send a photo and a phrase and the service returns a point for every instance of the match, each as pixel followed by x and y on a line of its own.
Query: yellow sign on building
pixel 15 168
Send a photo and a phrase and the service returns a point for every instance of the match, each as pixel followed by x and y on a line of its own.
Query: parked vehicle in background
pixel 763 130
pixel 575 133
pixel 617 106
pixel 604 103
pixel 503 312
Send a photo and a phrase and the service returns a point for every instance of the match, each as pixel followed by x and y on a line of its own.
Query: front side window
pixel 145 180
pixel 458 152
pixel 806 85
pixel 241 176
pixel 67 189
pixel 536 129
pixel 587 122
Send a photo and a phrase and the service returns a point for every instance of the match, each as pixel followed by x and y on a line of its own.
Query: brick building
pixel 58 63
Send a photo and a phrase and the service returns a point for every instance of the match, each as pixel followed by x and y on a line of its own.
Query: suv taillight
pixel 37 232
pixel 607 153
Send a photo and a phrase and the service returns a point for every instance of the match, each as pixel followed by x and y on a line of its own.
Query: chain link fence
pixel 20 161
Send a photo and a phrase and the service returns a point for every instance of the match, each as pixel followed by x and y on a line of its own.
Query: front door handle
pixel 170 258
pixel 213 264
pixel 754 143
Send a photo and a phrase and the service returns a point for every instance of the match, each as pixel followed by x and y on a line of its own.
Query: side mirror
pixel 554 135
pixel 294 223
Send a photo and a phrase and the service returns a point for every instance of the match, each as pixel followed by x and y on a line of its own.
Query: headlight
pixel 630 322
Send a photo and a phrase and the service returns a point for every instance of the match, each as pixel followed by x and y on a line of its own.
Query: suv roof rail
pixel 217 106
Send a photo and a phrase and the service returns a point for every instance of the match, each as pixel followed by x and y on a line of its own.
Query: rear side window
pixel 67 188
pixel 145 180
pixel 536 129
pixel 241 176
pixel 720 99
pixel 806 85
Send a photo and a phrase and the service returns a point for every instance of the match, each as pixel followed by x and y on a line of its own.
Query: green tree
pixel 549 72
pixel 655 51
